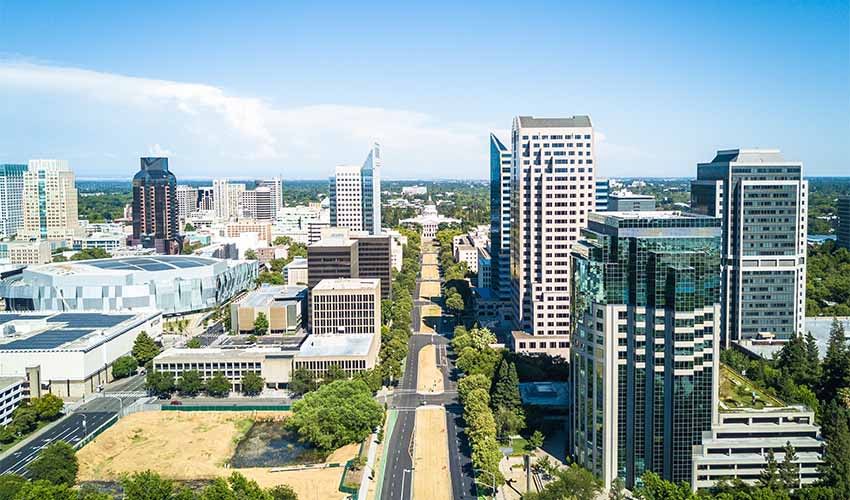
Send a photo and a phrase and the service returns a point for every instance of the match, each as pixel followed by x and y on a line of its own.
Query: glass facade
pixel 500 217
pixel 646 294
pixel 156 221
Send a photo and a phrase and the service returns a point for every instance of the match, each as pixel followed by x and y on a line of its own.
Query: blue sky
pixel 293 89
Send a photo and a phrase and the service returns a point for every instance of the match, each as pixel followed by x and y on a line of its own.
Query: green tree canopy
pixel 160 384
pixel 47 407
pixel 218 386
pixel 190 383
pixel 252 384
pixel 91 253
pixel 336 414
pixel 144 349
pixel 56 463
pixel 124 366
pixel 302 381
pixel 261 324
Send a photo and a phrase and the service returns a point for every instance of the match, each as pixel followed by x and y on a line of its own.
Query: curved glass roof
pixel 154 263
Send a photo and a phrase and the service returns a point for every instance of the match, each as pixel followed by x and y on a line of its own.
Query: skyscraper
pixel 603 189
pixel 646 307
pixel 500 219
pixel 355 194
pixel 844 222
pixel 275 186
pixel 761 199
pixel 257 203
pixel 11 203
pixel 553 191
pixel 49 201
pixel 155 209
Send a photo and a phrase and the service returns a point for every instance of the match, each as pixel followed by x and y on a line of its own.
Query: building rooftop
pixel 573 121
pixel 7 381
pixel 297 263
pixel 630 196
pixel 336 345
pixel 334 240
pixel 740 393
pixel 268 293
pixel 770 156
pixel 63 331
pixel 554 394
pixel 130 264
pixel 347 284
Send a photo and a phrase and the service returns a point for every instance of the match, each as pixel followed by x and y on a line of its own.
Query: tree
pixel 789 470
pixel 218 386
pixel 574 482
pixel 271 278
pixel 47 407
pixel 302 381
pixel 124 366
pixel 336 414
pixel 535 441
pixel 618 490
pixel 334 372
pixel 505 391
pixel 7 435
pixel 56 463
pixel 10 484
pixel 45 490
pixel 470 383
pixel 147 485
pixel 236 486
pixel 261 324
pixel 250 255
pixel 24 419
pixel 144 349
pixel 793 360
pixel 190 383
pixel 835 469
pixel 769 477
pixel 282 492
pixel 655 488
pixel 252 384
pixel 836 363
pixel 188 228
pixel 194 343
pixel 455 303
pixel 91 253
pixel 160 384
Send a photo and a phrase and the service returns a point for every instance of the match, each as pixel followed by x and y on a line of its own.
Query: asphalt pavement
pixel 398 471
pixel 77 425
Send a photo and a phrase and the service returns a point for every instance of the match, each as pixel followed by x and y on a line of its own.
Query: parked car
pixel 175 402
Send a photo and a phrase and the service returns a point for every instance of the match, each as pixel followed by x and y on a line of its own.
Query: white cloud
pixel 157 150
pixel 210 126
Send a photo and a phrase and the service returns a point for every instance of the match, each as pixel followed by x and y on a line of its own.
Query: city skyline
pixel 418 85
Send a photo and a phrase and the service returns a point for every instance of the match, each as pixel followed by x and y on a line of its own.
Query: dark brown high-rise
pixel 155 211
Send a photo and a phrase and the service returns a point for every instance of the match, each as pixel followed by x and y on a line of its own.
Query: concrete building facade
pixel 11 201
pixel 346 306
pixel 762 199
pixel 49 201
pixel 552 192
pixel 355 195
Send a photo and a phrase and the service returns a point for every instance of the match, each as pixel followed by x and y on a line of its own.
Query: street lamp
pixel 491 474
pixel 85 428
pixel 120 402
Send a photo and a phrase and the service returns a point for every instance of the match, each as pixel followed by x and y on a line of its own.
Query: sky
pixel 252 89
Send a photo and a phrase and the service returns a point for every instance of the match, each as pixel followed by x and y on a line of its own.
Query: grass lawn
pixel 737 391
pixel 518 444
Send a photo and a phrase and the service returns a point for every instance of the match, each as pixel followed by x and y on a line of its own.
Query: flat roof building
pixel 346 306
pixel 629 202
pixel 73 351
pixel 295 273
pixel 285 309
pixel 348 254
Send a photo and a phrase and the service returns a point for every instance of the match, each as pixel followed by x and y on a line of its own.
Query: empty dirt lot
pixel 195 445
pixel 431 455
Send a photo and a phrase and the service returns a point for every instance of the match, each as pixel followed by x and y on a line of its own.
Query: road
pixel 398 478
pixel 75 427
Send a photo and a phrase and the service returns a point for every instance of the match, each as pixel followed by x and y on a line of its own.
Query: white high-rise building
pixel 761 198
pixel 49 201
pixel 275 185
pixel 355 194
pixel 226 198
pixel 257 204
pixel 187 201
pixel 11 203
pixel 552 192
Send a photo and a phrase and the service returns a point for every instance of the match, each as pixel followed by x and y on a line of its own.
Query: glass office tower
pixel 646 288
pixel 156 219
pixel 500 219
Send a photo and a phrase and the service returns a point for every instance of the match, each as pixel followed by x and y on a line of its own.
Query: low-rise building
pixel 346 306
pixel 109 242
pixel 283 306
pixel 626 201
pixel 465 251
pixel 737 447
pixel 66 354
pixel 28 252
pixel 295 273
pixel 485 279
pixel 263 229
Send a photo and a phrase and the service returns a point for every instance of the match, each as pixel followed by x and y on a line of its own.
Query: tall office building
pixel 646 307
pixel 553 191
pixel 355 194
pixel 206 197
pixel 257 203
pixel 11 203
pixel 500 219
pixel 351 254
pixel 187 201
pixel 844 222
pixel 226 198
pixel 155 209
pixel 49 201
pixel 275 185
pixel 761 198
pixel 346 306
